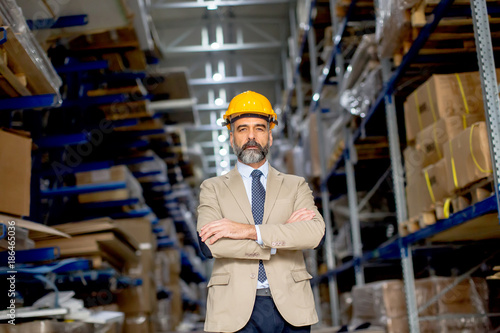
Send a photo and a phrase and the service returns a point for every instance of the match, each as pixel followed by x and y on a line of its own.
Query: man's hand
pixel 302 214
pixel 225 228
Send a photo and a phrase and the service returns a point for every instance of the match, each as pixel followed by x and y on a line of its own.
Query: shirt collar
pixel 246 170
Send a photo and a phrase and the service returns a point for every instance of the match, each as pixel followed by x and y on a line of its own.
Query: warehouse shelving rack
pixel 402 246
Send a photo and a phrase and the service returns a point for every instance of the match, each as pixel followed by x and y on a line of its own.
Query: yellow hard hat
pixel 250 104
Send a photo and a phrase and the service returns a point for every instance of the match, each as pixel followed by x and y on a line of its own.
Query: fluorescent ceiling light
pixel 217 77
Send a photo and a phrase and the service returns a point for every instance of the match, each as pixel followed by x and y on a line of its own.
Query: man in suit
pixel 255 221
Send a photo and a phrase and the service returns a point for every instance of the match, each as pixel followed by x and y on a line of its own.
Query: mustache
pixel 251 143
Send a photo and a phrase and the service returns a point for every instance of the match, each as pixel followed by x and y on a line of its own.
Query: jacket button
pixel 252 276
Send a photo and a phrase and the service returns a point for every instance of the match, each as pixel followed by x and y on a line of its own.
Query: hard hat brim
pixel 268 118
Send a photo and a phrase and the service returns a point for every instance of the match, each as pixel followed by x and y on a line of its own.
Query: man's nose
pixel 251 134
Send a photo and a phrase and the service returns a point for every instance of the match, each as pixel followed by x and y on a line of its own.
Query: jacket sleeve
pixel 299 235
pixel 208 211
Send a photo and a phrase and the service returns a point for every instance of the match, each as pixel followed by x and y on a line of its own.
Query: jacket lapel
pixel 274 181
pixel 235 184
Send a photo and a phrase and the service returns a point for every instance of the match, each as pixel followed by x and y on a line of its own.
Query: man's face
pixel 251 139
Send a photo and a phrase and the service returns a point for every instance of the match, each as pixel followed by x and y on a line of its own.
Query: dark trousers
pixel 267 319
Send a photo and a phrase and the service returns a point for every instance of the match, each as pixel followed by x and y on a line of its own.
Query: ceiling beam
pixel 222 48
pixel 236 79
pixel 218 3
pixel 173 24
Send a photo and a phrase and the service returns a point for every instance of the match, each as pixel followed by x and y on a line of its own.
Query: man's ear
pixel 270 138
pixel 231 138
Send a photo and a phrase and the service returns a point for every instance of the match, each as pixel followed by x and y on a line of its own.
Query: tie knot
pixel 256 174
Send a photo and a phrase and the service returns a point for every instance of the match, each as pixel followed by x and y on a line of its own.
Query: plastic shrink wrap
pixel 383 303
pixel 391 25
pixel 12 16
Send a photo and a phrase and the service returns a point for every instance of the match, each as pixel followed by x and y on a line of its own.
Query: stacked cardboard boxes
pixel 139 303
pixel 119 173
pixel 15 172
pixel 447 140
pixel 383 303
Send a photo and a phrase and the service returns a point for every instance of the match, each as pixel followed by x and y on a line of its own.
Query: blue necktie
pixel 258 199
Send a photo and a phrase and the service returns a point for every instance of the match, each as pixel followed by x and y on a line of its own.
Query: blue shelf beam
pixel 125 122
pixel 90 166
pixel 33 255
pixel 58 141
pixel 392 249
pixel 134 160
pixel 110 204
pixel 60 22
pixel 81 189
pixel 136 213
pixel 3 35
pixel 29 102
pixel 141 132
pixel 62 266
pixel 138 174
pixel 77 66
pixel 97 100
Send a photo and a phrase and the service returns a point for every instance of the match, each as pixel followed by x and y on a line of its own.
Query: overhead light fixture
pixel 212 6
pixel 223 164
pixel 217 77
pixel 223 152
pixel 316 97
pixel 220 121
pixel 326 70
pixel 215 45
pixel 218 101
pixel 222 138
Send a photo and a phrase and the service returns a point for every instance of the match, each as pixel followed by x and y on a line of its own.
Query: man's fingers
pixel 301 215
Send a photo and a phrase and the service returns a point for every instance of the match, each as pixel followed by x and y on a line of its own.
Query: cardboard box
pixel 137 323
pixel 397 325
pixel 418 198
pixel 431 139
pixel 414 161
pixel 441 97
pixel 379 299
pixel 140 229
pixel 113 174
pixel 435 182
pixel 138 299
pixel 467 157
pixel 15 173
pixel 424 292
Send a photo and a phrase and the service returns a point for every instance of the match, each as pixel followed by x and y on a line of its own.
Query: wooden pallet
pixel 472 194
pixel 363 7
pixel 453 35
pixel 462 199
pixel 19 75
pixel 128 110
pixel 416 223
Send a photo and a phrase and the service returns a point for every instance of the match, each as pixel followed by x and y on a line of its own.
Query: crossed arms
pixel 223 238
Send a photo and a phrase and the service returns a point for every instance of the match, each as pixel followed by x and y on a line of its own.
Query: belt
pixel 264 292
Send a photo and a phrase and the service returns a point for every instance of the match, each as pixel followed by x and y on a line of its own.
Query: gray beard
pixel 250 156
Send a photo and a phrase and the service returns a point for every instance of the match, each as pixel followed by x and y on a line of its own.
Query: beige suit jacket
pixel 232 286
